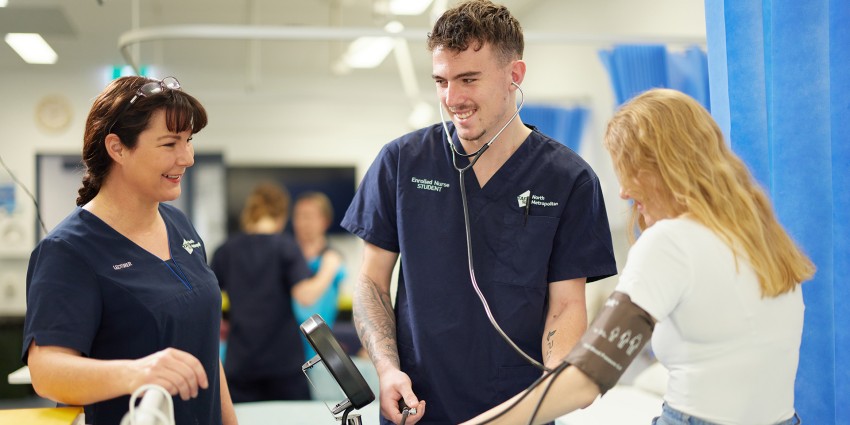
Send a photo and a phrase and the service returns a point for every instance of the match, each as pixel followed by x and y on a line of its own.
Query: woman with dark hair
pixel 119 294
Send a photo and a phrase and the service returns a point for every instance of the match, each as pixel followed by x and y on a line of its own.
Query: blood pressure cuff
pixel 613 341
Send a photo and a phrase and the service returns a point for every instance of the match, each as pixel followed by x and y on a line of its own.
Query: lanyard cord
pixel 461 171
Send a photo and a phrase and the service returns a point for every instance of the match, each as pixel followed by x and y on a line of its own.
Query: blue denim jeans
pixel 671 416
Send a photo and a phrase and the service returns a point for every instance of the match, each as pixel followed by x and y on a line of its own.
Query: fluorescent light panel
pixel 368 52
pixel 4 3
pixel 31 48
pixel 409 7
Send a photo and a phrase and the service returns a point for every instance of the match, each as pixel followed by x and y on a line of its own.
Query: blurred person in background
pixel 262 269
pixel 312 216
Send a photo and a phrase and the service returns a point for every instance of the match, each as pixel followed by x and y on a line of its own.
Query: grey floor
pixel 25 403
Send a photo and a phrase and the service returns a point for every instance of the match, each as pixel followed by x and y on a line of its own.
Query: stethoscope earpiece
pixel 477 154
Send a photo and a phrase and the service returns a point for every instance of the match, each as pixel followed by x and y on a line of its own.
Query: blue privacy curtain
pixel 780 89
pixel 635 68
pixel 565 125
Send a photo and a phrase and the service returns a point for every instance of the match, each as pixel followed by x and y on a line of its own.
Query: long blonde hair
pixel 670 138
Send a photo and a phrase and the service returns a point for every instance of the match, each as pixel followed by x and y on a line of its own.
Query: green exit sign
pixel 123 71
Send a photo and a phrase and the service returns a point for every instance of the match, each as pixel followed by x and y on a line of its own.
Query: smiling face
pixel 646 205
pixel 155 167
pixel 474 87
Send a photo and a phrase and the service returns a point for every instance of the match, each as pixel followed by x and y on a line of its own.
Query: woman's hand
pixel 175 370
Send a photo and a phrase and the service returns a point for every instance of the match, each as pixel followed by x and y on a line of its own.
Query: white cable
pixel 155 408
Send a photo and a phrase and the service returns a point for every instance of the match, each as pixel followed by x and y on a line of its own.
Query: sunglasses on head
pixel 147 89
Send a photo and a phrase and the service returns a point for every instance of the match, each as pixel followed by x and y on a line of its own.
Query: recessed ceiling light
pixel 31 48
pixel 394 27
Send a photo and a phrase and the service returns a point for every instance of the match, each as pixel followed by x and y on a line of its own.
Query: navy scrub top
pixel 409 202
pixel 92 290
pixel 258 272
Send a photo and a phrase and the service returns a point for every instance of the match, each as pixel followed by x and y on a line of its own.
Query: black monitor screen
pixel 338 183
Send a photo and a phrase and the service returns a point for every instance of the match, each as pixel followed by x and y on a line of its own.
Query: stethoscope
pixel 461 170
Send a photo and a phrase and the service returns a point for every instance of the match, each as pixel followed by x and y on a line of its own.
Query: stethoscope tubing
pixel 461 171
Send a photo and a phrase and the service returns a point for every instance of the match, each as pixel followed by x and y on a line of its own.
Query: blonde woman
pixel 713 272
pixel 311 217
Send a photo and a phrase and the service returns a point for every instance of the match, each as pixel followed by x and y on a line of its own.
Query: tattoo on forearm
pixel 375 322
pixel 550 342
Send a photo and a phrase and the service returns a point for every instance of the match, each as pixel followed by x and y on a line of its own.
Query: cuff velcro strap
pixel 612 341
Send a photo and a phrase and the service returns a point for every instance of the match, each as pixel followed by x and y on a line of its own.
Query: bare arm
pixel 66 376
pixel 373 310
pixel 596 364
pixel 566 319
pixel 309 290
pixel 571 390
pixel 375 322
pixel 228 414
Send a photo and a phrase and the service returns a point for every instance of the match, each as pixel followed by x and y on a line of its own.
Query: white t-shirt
pixel 731 354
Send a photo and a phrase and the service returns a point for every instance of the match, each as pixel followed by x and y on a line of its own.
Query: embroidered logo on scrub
pixel 522 199
pixel 537 200
pixel 190 245
pixel 429 184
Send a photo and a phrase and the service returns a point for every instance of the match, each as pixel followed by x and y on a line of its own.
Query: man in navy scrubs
pixel 538 230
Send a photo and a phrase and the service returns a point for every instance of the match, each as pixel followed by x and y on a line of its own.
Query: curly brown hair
pixel 268 199
pixel 475 23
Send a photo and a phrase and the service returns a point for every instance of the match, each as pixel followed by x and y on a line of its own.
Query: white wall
pixel 330 120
